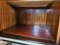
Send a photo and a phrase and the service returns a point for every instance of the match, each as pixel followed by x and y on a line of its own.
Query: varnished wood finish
pixel 53 18
pixel 30 3
pixel 48 17
pixel 34 31
pixel 7 16
pixel 32 16
pixel 56 5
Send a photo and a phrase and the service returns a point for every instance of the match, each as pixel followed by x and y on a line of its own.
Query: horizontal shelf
pixel 45 4
pixel 29 32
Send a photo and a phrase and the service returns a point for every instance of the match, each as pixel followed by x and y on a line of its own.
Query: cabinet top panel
pixel 30 3
pixel 29 0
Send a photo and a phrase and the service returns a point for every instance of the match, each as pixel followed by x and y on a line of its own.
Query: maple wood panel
pixel 7 16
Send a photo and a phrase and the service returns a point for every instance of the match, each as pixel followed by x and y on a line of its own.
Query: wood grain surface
pixel 7 16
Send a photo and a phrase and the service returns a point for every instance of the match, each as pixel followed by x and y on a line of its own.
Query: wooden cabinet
pixel 37 24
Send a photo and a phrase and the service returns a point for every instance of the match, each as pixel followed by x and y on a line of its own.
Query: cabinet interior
pixel 34 23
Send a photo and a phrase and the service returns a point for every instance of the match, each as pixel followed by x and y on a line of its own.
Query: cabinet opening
pixel 34 24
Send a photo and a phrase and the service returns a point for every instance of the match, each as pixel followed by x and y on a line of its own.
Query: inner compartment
pixel 32 16
pixel 35 23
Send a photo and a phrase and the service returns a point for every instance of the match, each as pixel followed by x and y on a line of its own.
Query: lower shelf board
pixel 28 32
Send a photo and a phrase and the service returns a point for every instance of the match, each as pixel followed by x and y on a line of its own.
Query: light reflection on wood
pixel 32 16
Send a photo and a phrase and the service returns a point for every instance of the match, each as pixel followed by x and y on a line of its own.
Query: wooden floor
pixel 35 31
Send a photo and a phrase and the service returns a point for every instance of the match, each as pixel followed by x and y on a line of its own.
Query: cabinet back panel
pixel 32 16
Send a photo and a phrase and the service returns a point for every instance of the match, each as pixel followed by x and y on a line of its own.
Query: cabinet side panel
pixel 7 16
